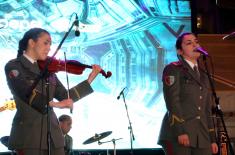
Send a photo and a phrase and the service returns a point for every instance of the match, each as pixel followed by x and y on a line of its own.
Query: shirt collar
pixel 29 58
pixel 190 63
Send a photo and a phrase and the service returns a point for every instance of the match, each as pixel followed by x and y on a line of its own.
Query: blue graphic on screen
pixel 134 39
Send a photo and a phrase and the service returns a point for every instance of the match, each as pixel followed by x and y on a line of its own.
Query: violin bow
pixel 67 79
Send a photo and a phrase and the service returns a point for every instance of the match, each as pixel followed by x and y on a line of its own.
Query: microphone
pixel 121 93
pixel 229 36
pixel 201 51
pixel 77 33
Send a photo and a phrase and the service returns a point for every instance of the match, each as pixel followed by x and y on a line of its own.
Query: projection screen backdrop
pixel 134 39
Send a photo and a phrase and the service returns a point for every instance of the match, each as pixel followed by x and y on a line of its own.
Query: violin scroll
pixel 106 75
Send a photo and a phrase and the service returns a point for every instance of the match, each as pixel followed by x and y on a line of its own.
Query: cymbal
pixel 97 137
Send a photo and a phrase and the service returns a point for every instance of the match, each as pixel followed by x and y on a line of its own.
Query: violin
pixel 72 66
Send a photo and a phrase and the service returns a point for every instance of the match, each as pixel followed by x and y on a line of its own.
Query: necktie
pixel 195 69
pixel 36 67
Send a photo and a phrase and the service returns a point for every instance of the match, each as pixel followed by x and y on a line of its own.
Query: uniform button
pixel 200 88
pixel 198 117
pixel 200 97
pixel 199 108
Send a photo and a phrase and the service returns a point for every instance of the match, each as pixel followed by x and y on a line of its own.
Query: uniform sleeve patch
pixel 169 80
pixel 13 73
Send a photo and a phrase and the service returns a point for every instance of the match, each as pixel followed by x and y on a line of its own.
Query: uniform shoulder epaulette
pixel 176 63
pixel 13 60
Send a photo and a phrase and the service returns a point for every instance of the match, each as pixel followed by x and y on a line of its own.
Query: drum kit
pixel 95 138
pixel 98 137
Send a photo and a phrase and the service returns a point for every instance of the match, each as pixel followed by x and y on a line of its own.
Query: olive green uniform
pixel 29 127
pixel 188 101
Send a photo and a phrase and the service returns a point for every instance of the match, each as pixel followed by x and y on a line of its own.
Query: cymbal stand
pixel 114 144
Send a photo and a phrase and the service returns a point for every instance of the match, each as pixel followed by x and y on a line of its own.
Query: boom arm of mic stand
pixel 218 110
pixel 224 81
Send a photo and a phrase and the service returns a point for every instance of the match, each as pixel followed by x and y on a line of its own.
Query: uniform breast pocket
pixel 30 78
pixel 188 85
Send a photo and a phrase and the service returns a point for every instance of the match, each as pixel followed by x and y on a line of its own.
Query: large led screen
pixel 133 39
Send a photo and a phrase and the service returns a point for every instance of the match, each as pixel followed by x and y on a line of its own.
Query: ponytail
pixel 22 47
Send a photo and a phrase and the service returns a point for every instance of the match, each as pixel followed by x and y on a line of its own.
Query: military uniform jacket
pixel 29 127
pixel 188 101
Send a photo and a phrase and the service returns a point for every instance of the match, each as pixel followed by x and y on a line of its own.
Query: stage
pixel 153 151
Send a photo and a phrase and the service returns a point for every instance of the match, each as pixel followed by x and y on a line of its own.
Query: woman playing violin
pixel 29 128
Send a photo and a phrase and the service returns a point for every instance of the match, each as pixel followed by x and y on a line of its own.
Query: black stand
pixel 48 116
pixel 217 108
pixel 132 138
pixel 44 75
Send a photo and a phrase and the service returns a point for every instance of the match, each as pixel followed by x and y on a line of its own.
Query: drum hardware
pixel 97 137
pixel 114 144
pixel 100 136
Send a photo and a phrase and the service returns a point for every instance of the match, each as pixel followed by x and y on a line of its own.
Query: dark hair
pixel 178 44
pixel 64 117
pixel 33 33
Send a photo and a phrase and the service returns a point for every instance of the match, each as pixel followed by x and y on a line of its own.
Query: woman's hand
pixel 95 71
pixel 183 140
pixel 66 103
pixel 214 148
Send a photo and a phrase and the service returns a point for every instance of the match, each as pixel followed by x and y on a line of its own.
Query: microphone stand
pixel 44 74
pixel 217 108
pixel 132 138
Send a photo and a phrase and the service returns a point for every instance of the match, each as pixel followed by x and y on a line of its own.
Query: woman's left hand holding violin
pixel 95 71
